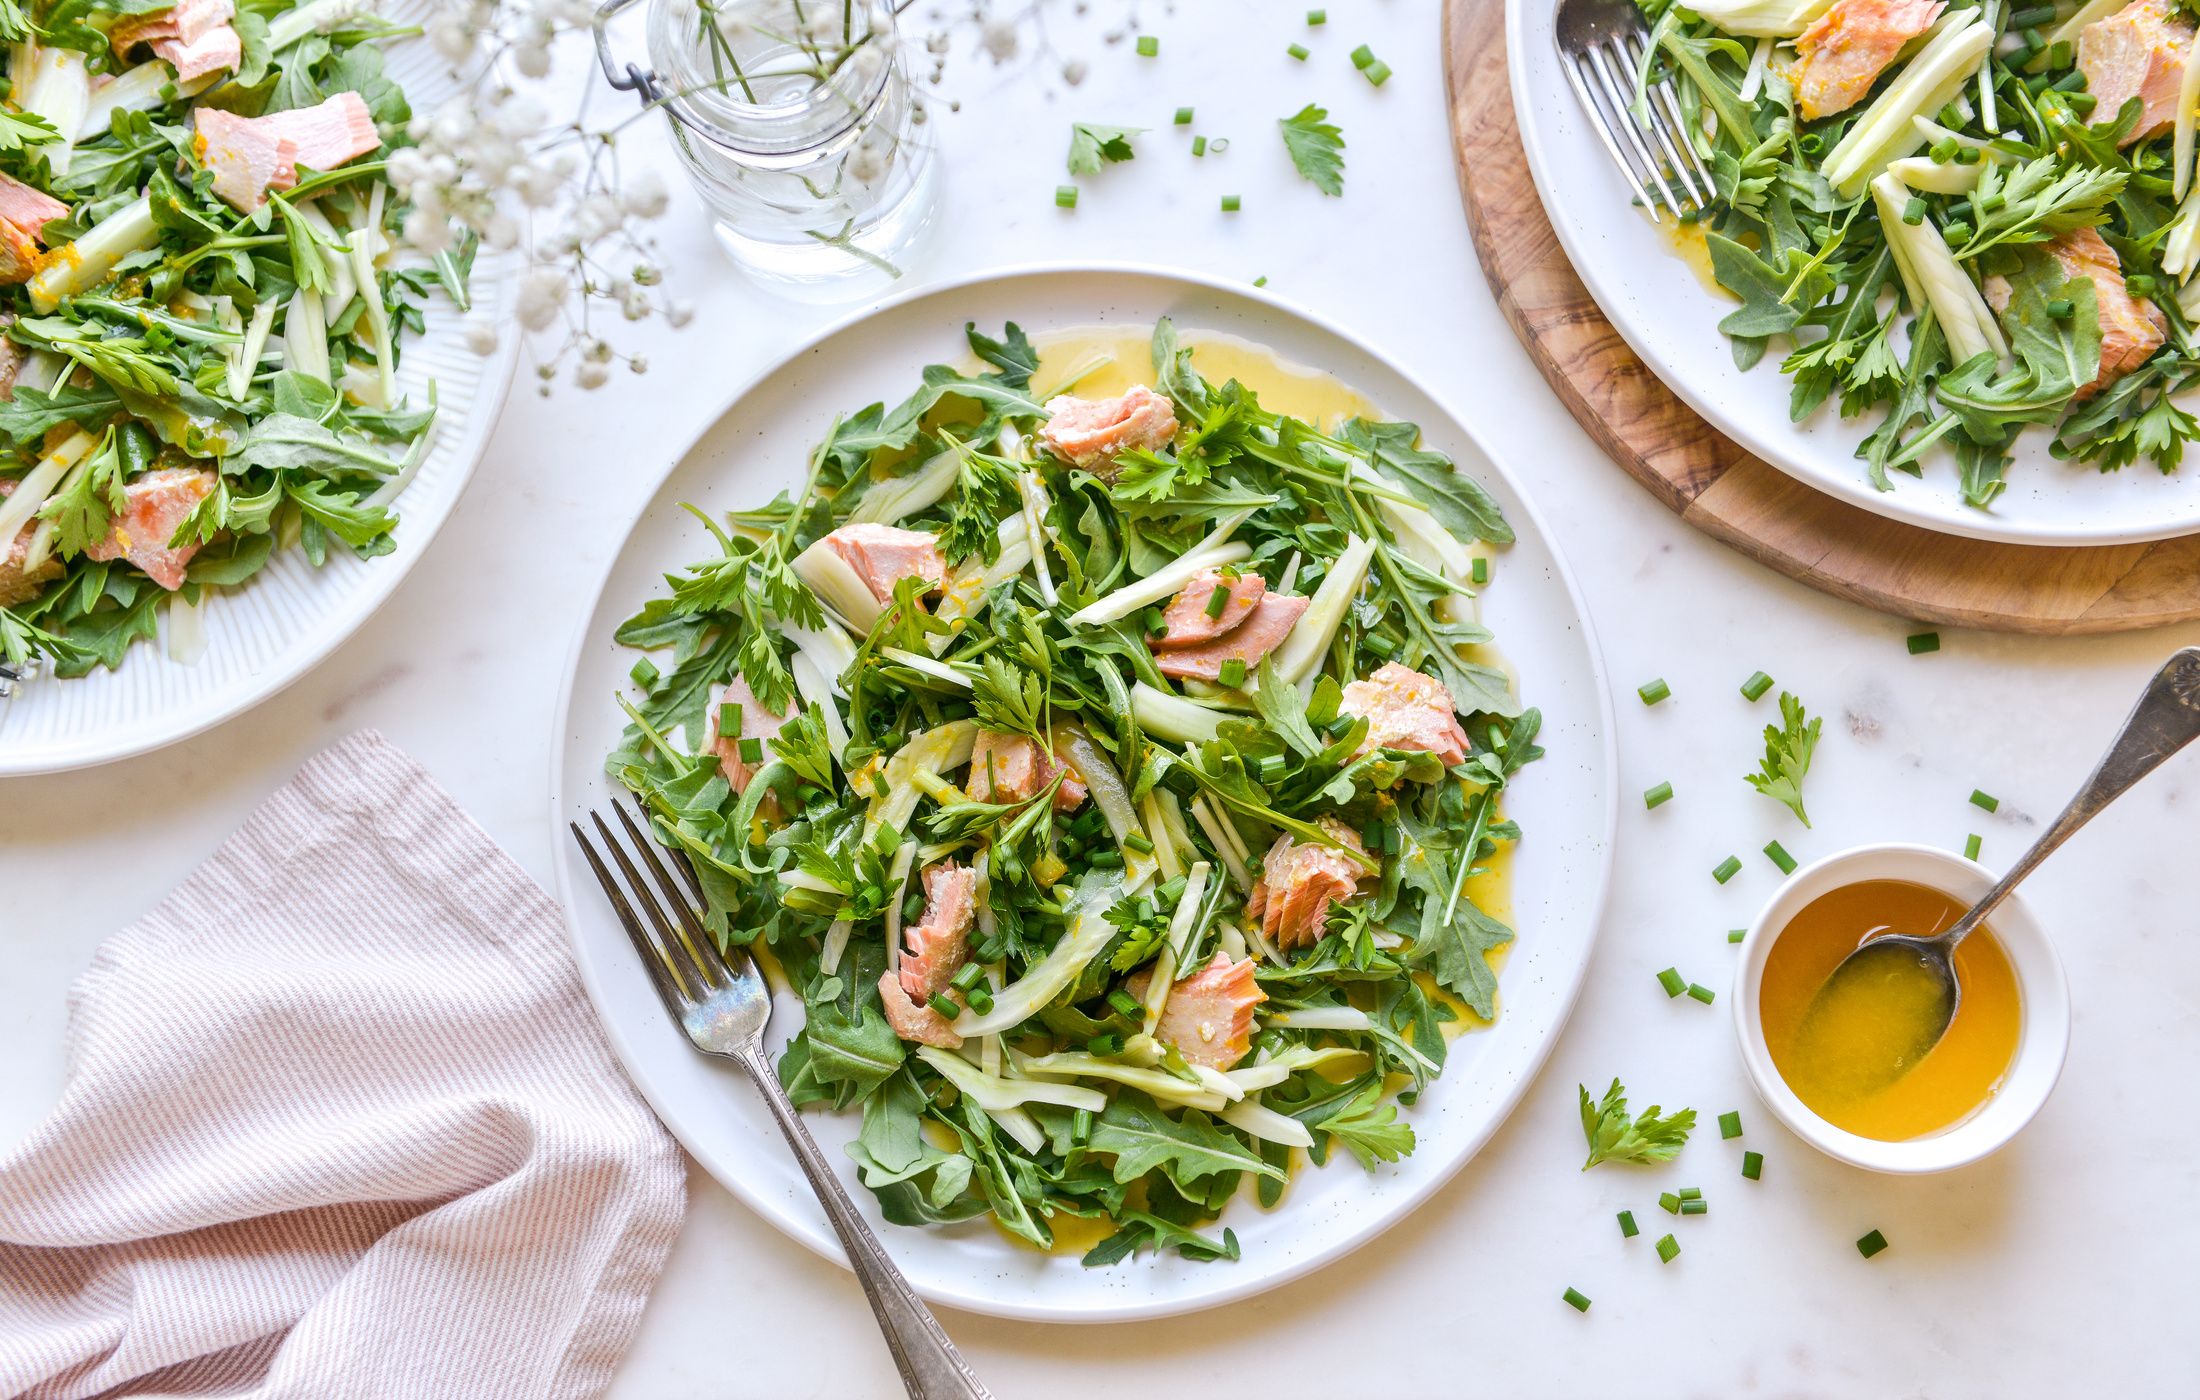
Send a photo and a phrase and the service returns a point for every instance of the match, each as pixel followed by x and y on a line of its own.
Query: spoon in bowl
pixel 1917 975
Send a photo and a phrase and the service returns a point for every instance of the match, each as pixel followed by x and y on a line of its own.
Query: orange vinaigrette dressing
pixel 1958 1077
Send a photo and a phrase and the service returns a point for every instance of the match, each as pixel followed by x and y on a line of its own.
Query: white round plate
pixel 289 617
pixel 755 446
pixel 1671 320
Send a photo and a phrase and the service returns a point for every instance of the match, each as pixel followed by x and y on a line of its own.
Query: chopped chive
pixel 1233 672
pixel 1653 691
pixel 1658 796
pixel 1923 642
pixel 1139 842
pixel 2062 309
pixel 1362 56
pixel 1317 16
pixel 752 750
pixel 1985 800
pixel 1755 687
pixel 1690 1193
pixel 1730 1125
pixel 729 719
pixel 1218 600
pixel 1221 144
pixel 1261 281
pixel 1736 935
pixel 1701 993
pixel 981 999
pixel 1183 116
pixel 880 786
pixel 1696 1207
pixel 2032 16
pixel 1971 846
pixel 1148 46
pixel 644 675
pixel 943 1005
pixel 1377 72
pixel 967 976
pixel 1298 51
pixel 1871 1244
pixel 1576 1299
pixel 1080 1125
pixel 1727 869
pixel 1913 213
pixel 1777 854
pixel 1479 570
pixel 1673 982
pixel 1753 1165
pixel 1105 1045
pixel 1124 1003
pixel 1229 204
pixel 1627 1227
pixel 1199 145
pixel 1667 1248
pixel 1065 196
pixel 1670 1202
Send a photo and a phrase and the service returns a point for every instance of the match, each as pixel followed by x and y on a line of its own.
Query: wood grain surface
pixel 1714 484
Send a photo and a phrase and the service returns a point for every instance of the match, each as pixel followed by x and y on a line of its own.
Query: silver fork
pixel 1600 47
pixel 722 1005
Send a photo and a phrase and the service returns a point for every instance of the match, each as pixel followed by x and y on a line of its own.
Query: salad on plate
pixel 1956 223
pixel 1117 780
pixel 201 311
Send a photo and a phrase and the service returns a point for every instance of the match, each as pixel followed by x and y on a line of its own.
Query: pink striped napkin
pixel 339 1122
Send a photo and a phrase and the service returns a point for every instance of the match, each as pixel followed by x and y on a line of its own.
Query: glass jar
pixel 796 123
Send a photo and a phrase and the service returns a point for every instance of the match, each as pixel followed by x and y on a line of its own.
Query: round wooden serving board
pixel 1714 484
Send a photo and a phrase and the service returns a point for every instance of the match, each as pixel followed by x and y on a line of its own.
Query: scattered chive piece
pixel 1218 600
pixel 1183 116
pixel 752 750
pixel 1730 1125
pixel 942 1005
pixel 644 675
pixel 1377 72
pixel 1297 51
pixel 1671 1203
pixel 1138 842
pixel 968 976
pixel 1148 45
pixel 1109 1044
pixel 1727 869
pixel 1317 16
pixel 1777 854
pixel 1923 642
pixel 1124 1003
pixel 880 786
pixel 981 1000
pixel 1985 801
pixel 1261 281
pixel 1690 1193
pixel 1701 993
pixel 1362 56
pixel 1971 844
pixel 1673 982
pixel 1229 204
pixel 1658 796
pixel 1577 1299
pixel 1080 1125
pixel 1755 687
pixel 1871 1244
pixel 1221 144
pixel 1914 212
pixel 1065 196
pixel 1233 672
pixel 1479 570
pixel 1667 1248
pixel 1653 691
pixel 1627 1227
pixel 1753 1165
pixel 1696 1207
pixel 1199 145
pixel 729 719
pixel 1736 935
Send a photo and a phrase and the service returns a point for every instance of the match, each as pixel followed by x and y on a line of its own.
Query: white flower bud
pixel 645 195
pixel 500 231
pixel 634 303
pixel 542 294
pixel 427 232
pixel 591 374
pixel 1073 72
pixel 453 38
pixel 647 275
pixel 481 338
pixel 998 38
pixel 532 60
pixel 679 313
pixel 638 365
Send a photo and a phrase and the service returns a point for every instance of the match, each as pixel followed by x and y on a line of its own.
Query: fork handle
pixel 931 1368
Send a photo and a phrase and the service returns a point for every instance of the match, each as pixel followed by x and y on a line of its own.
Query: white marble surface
pixel 2062 1266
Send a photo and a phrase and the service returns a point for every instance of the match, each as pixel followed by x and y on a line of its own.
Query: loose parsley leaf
pixel 1316 148
pixel 1788 747
pixel 1091 144
pixel 1368 1128
pixel 1613 1137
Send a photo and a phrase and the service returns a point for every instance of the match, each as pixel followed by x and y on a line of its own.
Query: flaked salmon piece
pixel 18 255
pixel 252 155
pixel 215 51
pixel 1849 46
pixel 187 20
pixel 2132 329
pixel 1186 621
pixel 1008 768
pixel 18 584
pixel 912 1020
pixel 1091 433
pixel 29 208
pixel 1262 631
pixel 11 364
pixel 154 505
pixel 1405 710
pixel 1209 1015
pixel 1299 881
pixel 884 555
pixel 1071 794
pixel 2140 51
pixel 936 946
pixel 757 722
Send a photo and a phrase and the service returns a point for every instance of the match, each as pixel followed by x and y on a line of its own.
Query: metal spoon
pixel 2166 719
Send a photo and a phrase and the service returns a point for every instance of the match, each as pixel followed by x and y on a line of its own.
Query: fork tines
pixel 683 959
pixel 1600 66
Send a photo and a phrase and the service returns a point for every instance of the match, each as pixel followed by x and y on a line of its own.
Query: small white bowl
pixel 2043 1035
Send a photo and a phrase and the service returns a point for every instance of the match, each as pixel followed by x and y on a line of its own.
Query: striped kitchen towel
pixel 339 1122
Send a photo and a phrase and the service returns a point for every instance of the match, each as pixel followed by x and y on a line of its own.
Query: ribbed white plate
pixel 755 445
pixel 268 632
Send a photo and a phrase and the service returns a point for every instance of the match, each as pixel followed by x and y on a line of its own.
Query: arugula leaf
pixel 1457 500
pixel 1090 144
pixel 1788 747
pixel 1142 1230
pixel 1316 148
pixel 1186 1148
pixel 1012 354
pixel 1284 710
pixel 1614 1137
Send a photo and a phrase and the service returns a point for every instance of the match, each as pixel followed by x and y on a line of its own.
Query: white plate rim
pixel 1906 503
pixel 1506 1101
